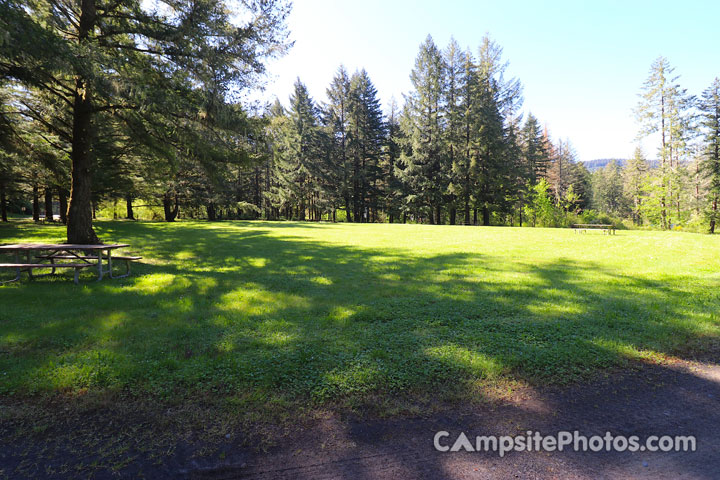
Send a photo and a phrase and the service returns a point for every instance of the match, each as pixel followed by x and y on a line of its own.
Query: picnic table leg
pixel 127 270
pixel 110 262
pixel 27 260
pixel 17 270
pixel 52 272
pixel 100 269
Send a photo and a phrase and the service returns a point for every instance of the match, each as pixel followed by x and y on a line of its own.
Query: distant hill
pixel 593 165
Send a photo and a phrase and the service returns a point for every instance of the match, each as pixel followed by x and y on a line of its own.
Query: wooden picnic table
pixel 582 227
pixel 85 255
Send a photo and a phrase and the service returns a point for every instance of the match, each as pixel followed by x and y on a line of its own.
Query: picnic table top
pixel 61 246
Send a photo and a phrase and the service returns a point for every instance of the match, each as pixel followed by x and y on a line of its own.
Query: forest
pixel 132 113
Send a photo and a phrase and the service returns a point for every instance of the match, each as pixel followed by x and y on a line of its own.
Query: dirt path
pixel 680 399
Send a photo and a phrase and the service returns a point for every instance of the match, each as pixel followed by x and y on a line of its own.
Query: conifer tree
pixel 457 162
pixel 634 175
pixel 608 191
pixel 710 109
pixel 497 100
pixel 392 187
pixel 663 109
pixel 422 126
pixel 464 168
pixel 297 152
pixel 337 119
pixel 367 136
pixel 534 149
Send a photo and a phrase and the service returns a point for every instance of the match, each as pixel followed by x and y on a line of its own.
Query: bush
pixel 697 224
pixel 541 211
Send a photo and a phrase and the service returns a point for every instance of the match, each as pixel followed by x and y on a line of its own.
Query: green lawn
pixel 258 313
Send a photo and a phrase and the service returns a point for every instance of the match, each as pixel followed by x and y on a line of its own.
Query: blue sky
pixel 581 63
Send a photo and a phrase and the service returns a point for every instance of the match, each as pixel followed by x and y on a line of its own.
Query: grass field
pixel 262 314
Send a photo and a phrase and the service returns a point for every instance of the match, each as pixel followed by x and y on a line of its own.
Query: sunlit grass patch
pixel 469 361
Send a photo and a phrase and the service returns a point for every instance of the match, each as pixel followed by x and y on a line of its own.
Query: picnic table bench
pixel 584 227
pixel 57 256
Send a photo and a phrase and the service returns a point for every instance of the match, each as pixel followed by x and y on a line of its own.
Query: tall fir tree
pixel 497 100
pixel 464 167
pixel 297 159
pixel 392 186
pixel 366 139
pixel 454 59
pixel 337 118
pixel 710 122
pixel 422 126
pixel 534 149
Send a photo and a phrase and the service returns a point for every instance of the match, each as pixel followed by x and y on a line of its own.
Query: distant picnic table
pixel 59 256
pixel 584 227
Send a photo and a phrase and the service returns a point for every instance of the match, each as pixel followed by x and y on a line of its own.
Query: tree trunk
pixel 486 216
pixel 3 203
pixel 474 216
pixel 170 211
pixel 453 215
pixel 697 188
pixel 79 225
pixel 36 204
pixel 62 200
pixel 48 205
pixel 211 212
pixel 258 198
pixel 356 205
pixel 438 215
pixel 714 208
pixel 130 214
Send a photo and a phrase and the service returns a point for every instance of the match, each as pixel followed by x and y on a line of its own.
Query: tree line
pixel 458 151
pixel 108 102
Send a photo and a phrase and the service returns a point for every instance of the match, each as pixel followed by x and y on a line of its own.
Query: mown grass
pixel 257 314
